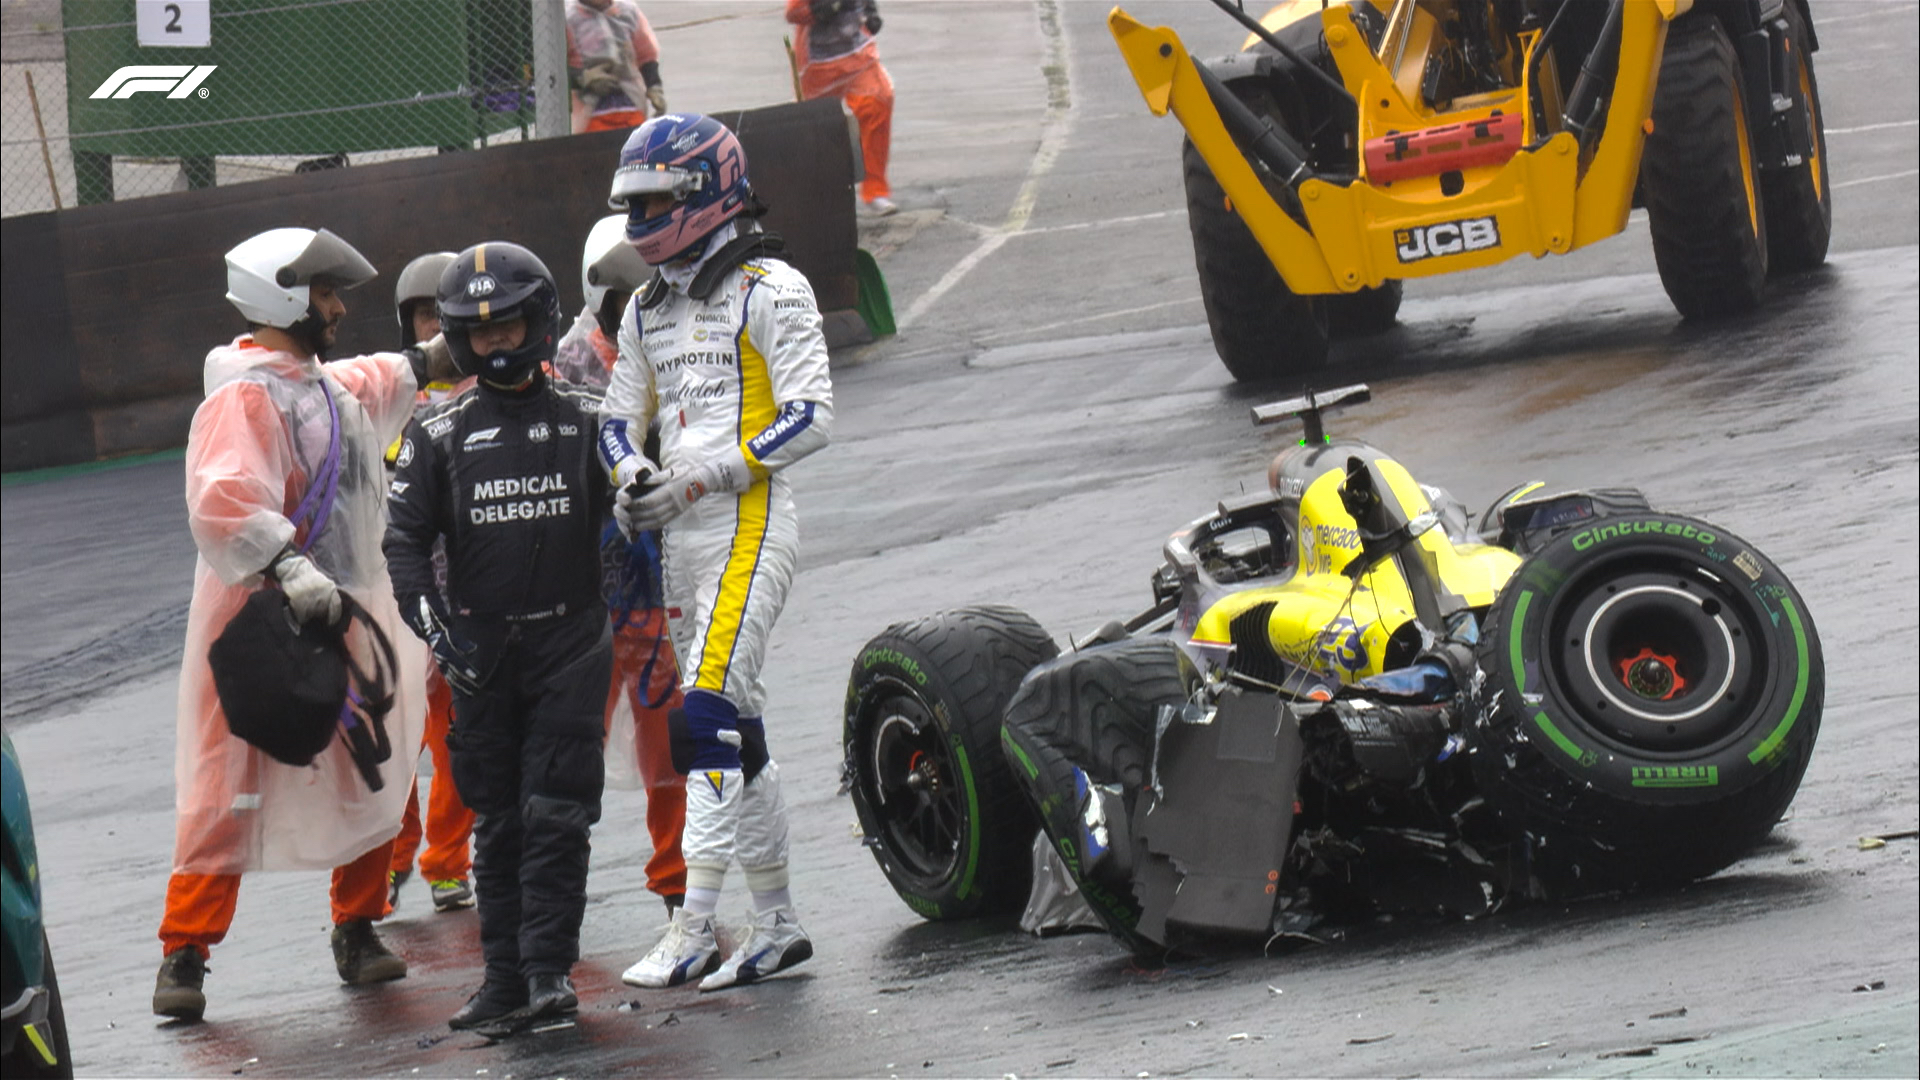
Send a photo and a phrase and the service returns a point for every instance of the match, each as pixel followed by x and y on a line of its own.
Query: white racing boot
pixel 776 944
pixel 687 951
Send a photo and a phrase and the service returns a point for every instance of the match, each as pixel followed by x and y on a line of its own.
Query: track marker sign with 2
pixel 173 24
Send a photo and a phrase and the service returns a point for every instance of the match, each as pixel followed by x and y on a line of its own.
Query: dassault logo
pixel 175 81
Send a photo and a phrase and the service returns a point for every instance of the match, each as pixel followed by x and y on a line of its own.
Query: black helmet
pixel 495 282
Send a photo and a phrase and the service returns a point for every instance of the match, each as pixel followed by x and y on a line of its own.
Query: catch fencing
pixel 106 100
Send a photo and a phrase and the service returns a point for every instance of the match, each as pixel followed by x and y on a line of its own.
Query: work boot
pixel 687 951
pixel 361 957
pixel 776 944
pixel 395 879
pixel 550 995
pixel 493 1001
pixel 451 894
pixel 176 990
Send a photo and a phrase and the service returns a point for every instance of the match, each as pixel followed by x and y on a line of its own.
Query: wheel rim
pixel 1746 158
pixel 1814 164
pixel 1659 660
pixel 914 790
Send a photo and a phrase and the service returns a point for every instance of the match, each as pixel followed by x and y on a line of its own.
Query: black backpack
pixel 288 688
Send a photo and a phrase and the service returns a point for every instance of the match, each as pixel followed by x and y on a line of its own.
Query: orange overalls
pixel 858 80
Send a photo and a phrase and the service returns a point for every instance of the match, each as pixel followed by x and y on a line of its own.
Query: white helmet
pixel 610 262
pixel 419 280
pixel 268 275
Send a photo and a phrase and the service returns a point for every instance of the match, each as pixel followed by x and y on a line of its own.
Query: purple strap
pixel 318 501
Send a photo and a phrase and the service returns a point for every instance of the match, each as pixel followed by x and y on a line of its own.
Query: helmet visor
pixel 641 178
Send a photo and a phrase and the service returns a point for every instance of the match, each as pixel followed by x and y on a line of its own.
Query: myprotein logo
pixel 1446 238
pixel 175 81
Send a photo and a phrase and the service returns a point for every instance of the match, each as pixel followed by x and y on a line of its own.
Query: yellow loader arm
pixel 1543 198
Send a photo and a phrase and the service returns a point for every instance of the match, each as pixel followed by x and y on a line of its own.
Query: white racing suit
pixel 743 369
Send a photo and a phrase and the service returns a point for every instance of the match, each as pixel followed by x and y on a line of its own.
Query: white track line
pixel 1053 137
pixel 1872 127
pixel 1876 179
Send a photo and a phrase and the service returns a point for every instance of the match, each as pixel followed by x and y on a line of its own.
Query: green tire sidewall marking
pixel 1012 747
pixel 1800 680
pixel 1515 637
pixel 964 888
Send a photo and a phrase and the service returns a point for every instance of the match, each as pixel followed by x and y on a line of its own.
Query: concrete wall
pixel 110 309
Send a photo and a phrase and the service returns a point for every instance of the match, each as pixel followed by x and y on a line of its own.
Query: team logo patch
pixel 540 432
pixel 405 457
pixel 717 781
pixel 481 285
pixel 569 429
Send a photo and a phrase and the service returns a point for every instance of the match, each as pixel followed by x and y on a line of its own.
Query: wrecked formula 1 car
pixel 1348 698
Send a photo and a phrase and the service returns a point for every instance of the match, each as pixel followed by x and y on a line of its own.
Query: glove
pixel 657 97
pixel 600 79
pixel 432 361
pixel 681 488
pixel 310 592
pixel 633 478
pixel 451 654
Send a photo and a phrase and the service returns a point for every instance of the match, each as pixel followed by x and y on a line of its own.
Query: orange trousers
pixel 200 907
pixel 644 671
pixel 616 118
pixel 449 824
pixel 860 82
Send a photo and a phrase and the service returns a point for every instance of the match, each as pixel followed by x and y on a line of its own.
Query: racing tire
pixel 1799 200
pixel 24 1060
pixel 1369 311
pixel 936 802
pixel 1261 330
pixel 1653 688
pixel 1699 179
pixel 1094 710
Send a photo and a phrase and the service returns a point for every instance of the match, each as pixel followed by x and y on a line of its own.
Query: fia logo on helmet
pixel 481 285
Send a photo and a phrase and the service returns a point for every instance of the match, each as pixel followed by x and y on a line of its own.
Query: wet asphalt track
pixel 1051 410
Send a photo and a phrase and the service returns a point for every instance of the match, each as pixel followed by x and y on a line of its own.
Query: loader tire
pixel 1800 200
pixel 938 807
pixel 1653 689
pixel 1699 178
pixel 1093 710
pixel 1262 331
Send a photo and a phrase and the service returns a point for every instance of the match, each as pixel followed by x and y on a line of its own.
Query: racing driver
pixel 723 350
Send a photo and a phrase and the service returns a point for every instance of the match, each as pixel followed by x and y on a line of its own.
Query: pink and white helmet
pixel 697 161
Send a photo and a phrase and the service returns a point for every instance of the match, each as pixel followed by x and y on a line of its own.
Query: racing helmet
pixel 696 160
pixel 269 275
pixel 495 282
pixel 418 283
pixel 610 270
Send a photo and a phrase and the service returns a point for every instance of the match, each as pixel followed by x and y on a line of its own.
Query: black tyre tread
pixel 1261 330
pixel 1581 841
pixel 1711 262
pixel 1368 311
pixel 981 653
pixel 1799 215
pixel 1579 838
pixel 1096 710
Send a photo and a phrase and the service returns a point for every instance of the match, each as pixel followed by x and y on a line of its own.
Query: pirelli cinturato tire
pixel 1699 179
pixel 939 809
pixel 1653 687
pixel 1094 710
pixel 1261 329
pixel 1368 311
pixel 1799 200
